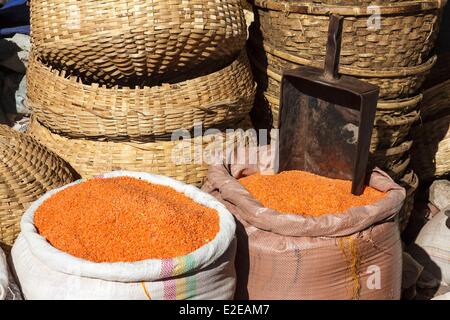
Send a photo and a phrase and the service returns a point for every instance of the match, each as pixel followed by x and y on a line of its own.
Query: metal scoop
pixel 326 120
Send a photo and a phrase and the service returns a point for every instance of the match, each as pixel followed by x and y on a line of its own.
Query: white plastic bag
pixel 45 272
pixel 3 276
pixel 432 247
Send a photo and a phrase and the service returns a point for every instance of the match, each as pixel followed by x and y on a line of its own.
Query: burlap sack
pixel 354 255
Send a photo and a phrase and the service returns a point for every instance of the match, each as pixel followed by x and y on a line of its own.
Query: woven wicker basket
pixel 74 109
pixel 394 161
pixel 410 181
pixel 184 161
pixel 394 83
pixel 130 41
pixel 431 151
pixel 405 36
pixel 393 121
pixel 27 171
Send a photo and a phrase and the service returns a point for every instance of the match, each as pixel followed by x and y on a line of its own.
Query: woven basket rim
pixel 410 183
pixel 402 148
pixel 61 74
pixel 400 103
pixel 351 71
pixel 404 120
pixel 382 104
pixel 81 110
pixel 347 10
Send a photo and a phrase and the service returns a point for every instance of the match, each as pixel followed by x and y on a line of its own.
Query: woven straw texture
pixel 268 64
pixel 394 161
pixel 185 160
pixel 431 152
pixel 410 181
pixel 77 110
pixel 405 35
pixel 27 171
pixel 127 41
pixel 393 121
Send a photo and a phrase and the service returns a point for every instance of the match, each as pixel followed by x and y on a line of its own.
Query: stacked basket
pixel 431 150
pixel 27 171
pixel 111 81
pixel 387 45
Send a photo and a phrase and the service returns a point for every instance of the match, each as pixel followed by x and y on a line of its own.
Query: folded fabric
pixel 14 17
pixel 10 31
pixel 14 13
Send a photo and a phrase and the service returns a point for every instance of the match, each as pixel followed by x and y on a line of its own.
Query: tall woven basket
pixel 431 150
pixel 402 37
pixel 129 41
pixel 27 171
pixel 393 121
pixel 394 161
pixel 69 107
pixel 186 160
pixel 395 82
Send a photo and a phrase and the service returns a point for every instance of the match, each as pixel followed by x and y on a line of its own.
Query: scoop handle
pixel 331 70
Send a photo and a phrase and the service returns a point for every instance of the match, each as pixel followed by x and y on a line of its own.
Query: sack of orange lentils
pixel 128 236
pixel 303 236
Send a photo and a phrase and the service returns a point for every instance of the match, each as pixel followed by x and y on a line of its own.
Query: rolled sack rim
pixel 144 270
pixel 351 221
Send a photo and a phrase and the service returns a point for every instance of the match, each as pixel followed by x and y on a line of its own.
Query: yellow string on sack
pixel 146 291
pixel 353 257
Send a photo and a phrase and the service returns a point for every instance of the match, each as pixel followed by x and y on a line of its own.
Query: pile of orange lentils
pixel 125 219
pixel 304 193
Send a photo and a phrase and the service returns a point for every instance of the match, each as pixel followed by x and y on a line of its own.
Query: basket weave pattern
pixel 72 108
pixel 27 171
pixel 128 39
pixel 431 152
pixel 93 157
pixel 404 39
pixel 268 64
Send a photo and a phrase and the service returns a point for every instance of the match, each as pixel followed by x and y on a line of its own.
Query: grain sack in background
pixel 432 247
pixel 353 255
pixel 45 272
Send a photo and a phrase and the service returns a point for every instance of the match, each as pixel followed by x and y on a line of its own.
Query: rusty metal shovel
pixel 326 120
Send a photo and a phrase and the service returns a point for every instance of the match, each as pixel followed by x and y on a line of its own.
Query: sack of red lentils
pixel 329 249
pixel 46 272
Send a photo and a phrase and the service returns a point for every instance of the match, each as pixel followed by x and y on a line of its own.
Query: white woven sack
pixel 434 239
pixel 3 275
pixel 45 272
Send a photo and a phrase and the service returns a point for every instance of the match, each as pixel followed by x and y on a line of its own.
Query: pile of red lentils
pixel 125 219
pixel 304 193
